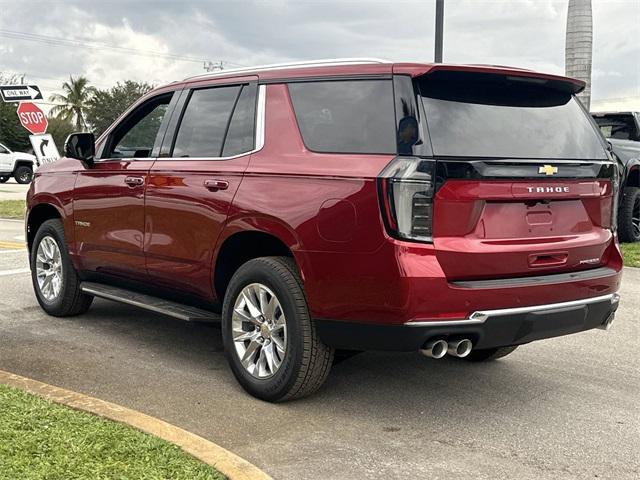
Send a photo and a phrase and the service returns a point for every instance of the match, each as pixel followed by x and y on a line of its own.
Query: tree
pixel 105 106
pixel 12 134
pixel 73 101
pixel 60 129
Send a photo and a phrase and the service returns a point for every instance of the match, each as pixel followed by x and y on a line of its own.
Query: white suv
pixel 18 165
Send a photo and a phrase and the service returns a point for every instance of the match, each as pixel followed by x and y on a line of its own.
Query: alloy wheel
pixel 259 330
pixel 49 268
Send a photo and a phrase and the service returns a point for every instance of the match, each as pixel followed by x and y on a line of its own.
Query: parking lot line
pixel 13 245
pixel 14 271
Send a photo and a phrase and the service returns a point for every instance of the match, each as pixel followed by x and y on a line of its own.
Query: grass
pixel 12 209
pixel 631 254
pixel 42 440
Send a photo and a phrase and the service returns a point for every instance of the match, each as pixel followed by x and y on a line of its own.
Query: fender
pixel 241 222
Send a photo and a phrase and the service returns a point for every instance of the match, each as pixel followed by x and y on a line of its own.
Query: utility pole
pixel 439 30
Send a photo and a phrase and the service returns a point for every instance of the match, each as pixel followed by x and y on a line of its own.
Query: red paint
pixel 325 209
pixel 32 118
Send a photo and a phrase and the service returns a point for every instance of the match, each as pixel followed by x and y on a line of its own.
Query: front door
pixel 190 189
pixel 109 196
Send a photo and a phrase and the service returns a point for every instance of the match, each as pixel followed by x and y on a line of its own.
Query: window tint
pixel 240 134
pixel 205 122
pixel 481 115
pixel 354 116
pixel 136 135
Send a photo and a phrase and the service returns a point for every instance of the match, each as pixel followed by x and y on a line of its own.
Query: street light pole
pixel 439 30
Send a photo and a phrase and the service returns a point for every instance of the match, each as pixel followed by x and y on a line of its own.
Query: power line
pixel 66 42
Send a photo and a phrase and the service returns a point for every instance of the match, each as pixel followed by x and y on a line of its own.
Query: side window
pixel 137 135
pixel 204 123
pixel 3 149
pixel 240 136
pixel 354 116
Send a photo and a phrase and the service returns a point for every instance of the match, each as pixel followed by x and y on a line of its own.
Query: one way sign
pixel 17 93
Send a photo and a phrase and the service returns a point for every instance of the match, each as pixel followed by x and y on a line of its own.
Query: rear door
pixel 524 184
pixel 193 182
pixel 109 196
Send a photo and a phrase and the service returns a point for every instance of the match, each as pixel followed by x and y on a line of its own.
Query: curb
pixel 229 464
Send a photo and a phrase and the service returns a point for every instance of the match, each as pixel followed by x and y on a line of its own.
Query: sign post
pixel 18 93
pixel 32 118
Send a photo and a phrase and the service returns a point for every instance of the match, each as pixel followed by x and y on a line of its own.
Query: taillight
pixel 407 187
pixel 615 187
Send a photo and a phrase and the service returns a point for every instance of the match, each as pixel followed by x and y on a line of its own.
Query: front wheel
pixel 23 174
pixel 54 279
pixel 270 341
pixel 4 179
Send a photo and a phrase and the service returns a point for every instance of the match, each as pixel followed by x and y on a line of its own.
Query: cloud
pixel 525 33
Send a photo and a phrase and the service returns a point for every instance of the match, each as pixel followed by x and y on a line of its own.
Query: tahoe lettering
pixel 548 189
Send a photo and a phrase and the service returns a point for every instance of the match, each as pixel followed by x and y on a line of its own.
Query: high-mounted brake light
pixel 407 187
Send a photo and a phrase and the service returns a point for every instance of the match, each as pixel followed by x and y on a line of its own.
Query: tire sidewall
pixel 275 387
pixel 625 215
pixel 20 170
pixel 48 229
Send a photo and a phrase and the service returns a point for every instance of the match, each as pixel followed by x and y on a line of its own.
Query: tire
pixel 68 300
pixel 23 174
pixel 4 179
pixel 629 215
pixel 305 361
pixel 489 354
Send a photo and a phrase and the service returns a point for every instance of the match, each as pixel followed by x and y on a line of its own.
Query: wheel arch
pixel 22 163
pixel 238 245
pixel 633 175
pixel 37 215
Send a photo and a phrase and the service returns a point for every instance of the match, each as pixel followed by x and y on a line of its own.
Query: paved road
pixel 13 191
pixel 563 408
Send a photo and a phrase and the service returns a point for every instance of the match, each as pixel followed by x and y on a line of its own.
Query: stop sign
pixel 32 118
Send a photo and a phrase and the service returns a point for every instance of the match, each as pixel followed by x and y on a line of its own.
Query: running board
pixel 154 304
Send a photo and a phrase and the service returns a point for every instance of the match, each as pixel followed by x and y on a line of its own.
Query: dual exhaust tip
pixel 439 348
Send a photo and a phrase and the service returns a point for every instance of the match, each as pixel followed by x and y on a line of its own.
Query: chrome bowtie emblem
pixel 548 169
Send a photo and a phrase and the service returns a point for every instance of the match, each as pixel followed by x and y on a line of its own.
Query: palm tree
pixel 73 101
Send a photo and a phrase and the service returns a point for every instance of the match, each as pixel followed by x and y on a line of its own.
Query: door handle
pixel 134 181
pixel 215 185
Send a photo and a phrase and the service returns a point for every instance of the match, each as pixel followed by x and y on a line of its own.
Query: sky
pixel 162 41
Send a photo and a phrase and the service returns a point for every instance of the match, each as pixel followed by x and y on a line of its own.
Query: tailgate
pixel 496 228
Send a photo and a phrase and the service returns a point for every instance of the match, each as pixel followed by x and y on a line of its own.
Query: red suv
pixel 338 207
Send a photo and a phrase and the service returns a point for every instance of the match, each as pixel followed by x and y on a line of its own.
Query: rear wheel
pixel 4 179
pixel 23 174
pixel 54 279
pixel 488 354
pixel 629 215
pixel 270 341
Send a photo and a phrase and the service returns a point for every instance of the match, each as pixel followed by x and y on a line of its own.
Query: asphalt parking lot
pixel 562 408
pixel 12 190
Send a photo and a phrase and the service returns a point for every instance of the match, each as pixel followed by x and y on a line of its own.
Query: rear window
pixel 204 122
pixel 355 116
pixel 482 115
pixel 620 127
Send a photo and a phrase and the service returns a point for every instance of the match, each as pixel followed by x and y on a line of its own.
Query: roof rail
pixel 328 62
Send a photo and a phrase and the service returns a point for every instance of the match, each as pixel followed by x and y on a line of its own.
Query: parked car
pixel 16 164
pixel 623 131
pixel 337 207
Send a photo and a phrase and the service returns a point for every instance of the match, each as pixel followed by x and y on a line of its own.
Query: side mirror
pixel 81 146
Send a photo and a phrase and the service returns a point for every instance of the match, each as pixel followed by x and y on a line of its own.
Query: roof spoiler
pixel 555 82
